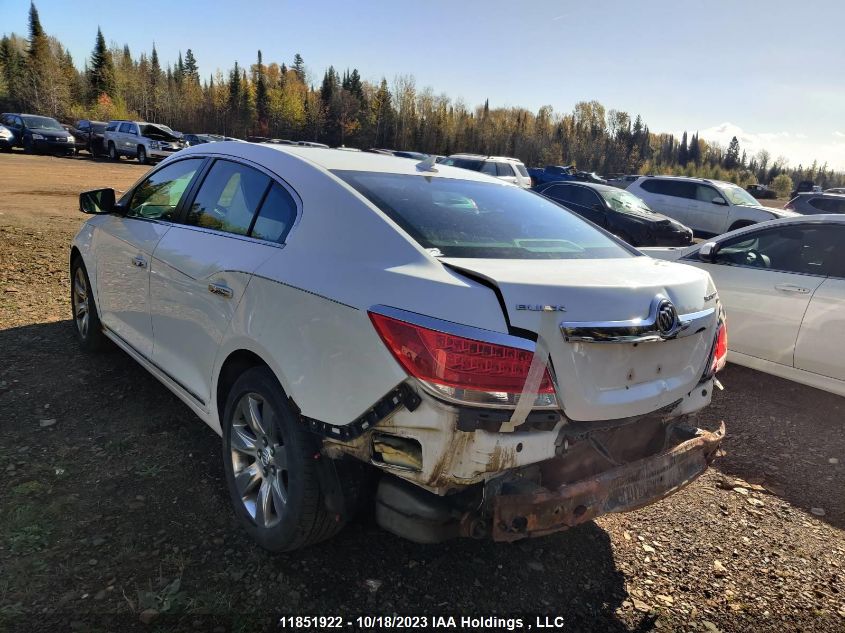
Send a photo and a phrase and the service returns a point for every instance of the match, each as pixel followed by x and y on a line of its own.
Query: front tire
pixel 270 465
pixel 86 319
pixel 113 155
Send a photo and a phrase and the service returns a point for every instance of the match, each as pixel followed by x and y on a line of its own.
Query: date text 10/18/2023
pixel 497 623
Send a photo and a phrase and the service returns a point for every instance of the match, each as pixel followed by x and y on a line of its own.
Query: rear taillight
pixel 720 350
pixel 465 369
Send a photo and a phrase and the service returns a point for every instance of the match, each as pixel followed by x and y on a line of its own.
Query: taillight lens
pixel 461 368
pixel 720 351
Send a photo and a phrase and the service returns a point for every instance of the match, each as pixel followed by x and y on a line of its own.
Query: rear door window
pixel 489 169
pixel 561 193
pixel 584 197
pixel 228 198
pixel 277 214
pixel 504 170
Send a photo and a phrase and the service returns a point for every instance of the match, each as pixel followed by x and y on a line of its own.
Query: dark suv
pixel 35 133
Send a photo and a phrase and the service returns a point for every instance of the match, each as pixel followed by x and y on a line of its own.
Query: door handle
pixel 139 261
pixel 792 288
pixel 221 290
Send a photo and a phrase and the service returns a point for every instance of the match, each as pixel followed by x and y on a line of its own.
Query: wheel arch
pixel 236 362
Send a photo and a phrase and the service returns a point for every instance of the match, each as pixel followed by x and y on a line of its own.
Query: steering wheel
pixel 754 257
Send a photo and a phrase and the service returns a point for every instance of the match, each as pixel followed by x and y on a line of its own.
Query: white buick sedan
pixel 506 368
pixel 783 284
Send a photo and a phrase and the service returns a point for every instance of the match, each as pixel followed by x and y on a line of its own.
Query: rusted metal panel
pixel 619 489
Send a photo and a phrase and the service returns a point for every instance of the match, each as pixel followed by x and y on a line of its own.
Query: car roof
pixel 335 159
pixel 709 181
pixel 820 194
pixel 485 157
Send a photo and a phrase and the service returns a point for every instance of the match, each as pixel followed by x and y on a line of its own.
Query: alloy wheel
pixel 259 460
pixel 81 309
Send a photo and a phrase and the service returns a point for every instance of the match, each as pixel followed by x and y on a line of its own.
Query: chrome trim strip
pixel 458 329
pixel 637 330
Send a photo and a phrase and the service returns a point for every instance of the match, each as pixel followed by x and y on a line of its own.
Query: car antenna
pixel 427 164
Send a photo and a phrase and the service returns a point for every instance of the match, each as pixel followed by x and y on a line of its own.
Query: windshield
pixel 41 123
pixel 623 202
pixel 463 218
pixel 739 196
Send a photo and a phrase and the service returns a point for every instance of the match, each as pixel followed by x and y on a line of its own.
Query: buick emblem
pixel 667 318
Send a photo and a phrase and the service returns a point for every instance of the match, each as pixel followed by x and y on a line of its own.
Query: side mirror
pixel 720 201
pixel 97 201
pixel 707 252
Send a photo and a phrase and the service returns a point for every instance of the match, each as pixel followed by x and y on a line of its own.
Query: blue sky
pixel 770 72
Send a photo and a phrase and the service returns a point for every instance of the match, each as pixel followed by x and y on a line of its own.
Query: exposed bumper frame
pixel 620 489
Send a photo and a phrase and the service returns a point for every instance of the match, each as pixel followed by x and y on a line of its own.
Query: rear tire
pixel 142 155
pixel 270 465
pixel 86 319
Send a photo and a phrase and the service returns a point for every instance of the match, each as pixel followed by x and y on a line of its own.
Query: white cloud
pixel 797 147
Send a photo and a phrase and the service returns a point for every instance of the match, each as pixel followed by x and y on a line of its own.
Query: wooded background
pixel 38 75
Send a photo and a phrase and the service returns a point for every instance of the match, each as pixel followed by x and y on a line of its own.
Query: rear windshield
pixel 521 169
pixel 463 218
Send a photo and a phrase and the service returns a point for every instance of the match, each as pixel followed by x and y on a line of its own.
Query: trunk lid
pixel 608 380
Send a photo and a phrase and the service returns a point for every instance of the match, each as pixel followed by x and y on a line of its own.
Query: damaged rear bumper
pixel 626 487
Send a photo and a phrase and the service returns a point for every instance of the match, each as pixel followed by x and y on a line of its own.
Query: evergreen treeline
pixel 38 75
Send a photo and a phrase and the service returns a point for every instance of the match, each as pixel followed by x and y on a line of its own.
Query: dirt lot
pixel 113 501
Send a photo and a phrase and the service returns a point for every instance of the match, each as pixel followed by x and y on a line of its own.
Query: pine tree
pixel 155 67
pixel 179 69
pixel 355 85
pixel 38 63
pixel 299 67
pixel 191 68
pixel 732 155
pixel 101 71
pixel 683 151
pixel 13 66
pixel 261 96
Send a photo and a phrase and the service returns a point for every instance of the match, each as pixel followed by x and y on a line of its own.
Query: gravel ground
pixel 113 509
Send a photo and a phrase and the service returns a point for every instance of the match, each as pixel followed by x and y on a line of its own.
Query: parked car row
pixel 144 141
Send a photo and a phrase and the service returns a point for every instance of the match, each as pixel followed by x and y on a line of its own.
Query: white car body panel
pixel 788 324
pixel 189 321
pixel 607 381
pixel 302 308
pixel 125 249
pixel 820 347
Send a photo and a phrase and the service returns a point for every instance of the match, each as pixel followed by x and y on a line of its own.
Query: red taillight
pixel 720 352
pixel 453 361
